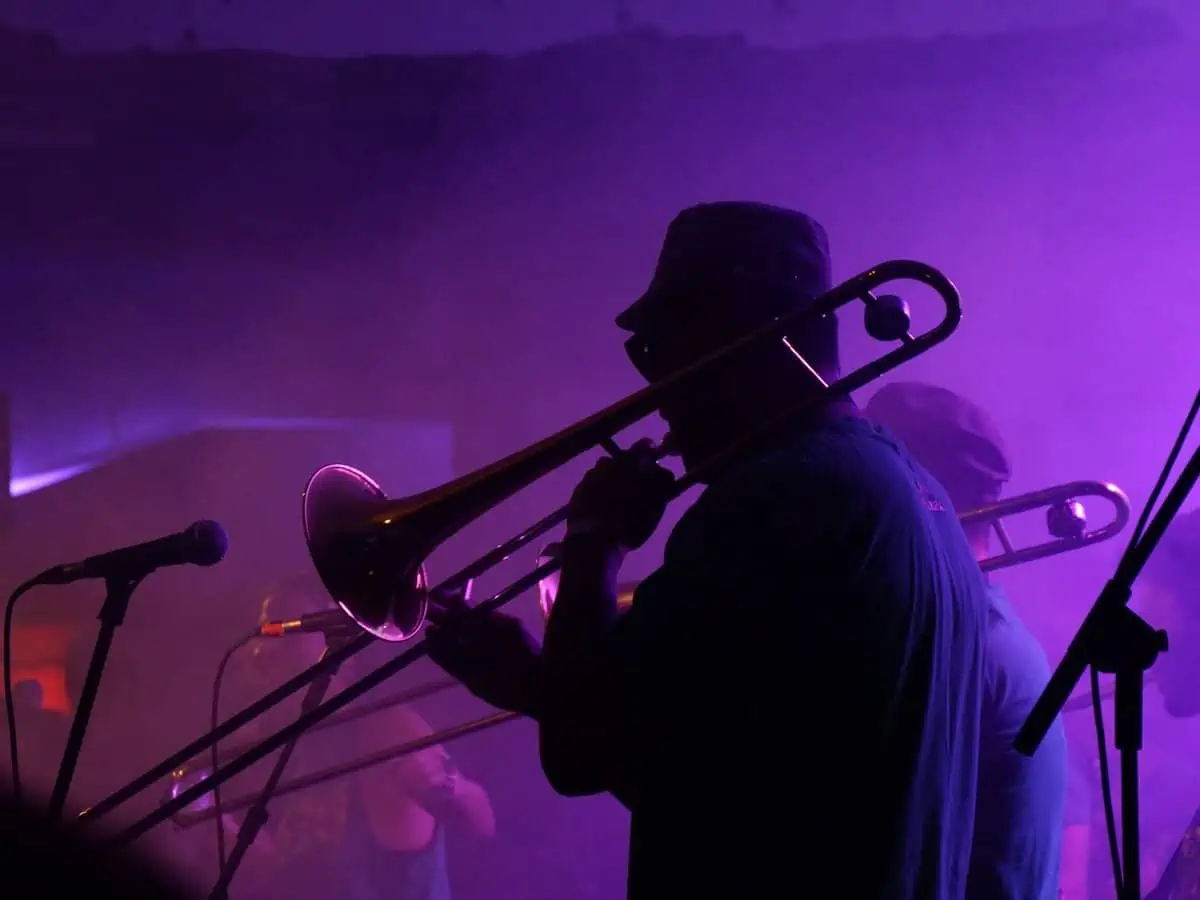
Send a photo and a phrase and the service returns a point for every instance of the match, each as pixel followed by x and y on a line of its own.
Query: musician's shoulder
pixel 395 725
pixel 809 492
pixel 818 460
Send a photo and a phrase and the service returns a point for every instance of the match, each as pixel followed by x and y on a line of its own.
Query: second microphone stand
pixel 256 815
pixel 1127 646
pixel 119 591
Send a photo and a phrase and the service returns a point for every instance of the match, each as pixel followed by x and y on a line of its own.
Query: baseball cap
pixel 768 260
pixel 948 434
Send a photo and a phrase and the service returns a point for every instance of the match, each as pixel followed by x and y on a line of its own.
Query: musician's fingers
pixel 451 628
pixel 452 602
pixel 446 645
pixel 643 457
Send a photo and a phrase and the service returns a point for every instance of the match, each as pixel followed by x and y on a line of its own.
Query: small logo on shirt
pixel 932 503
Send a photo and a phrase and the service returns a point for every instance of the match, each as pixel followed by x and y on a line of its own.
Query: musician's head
pixel 955 440
pixel 726 269
pixel 28 696
pixel 1168 592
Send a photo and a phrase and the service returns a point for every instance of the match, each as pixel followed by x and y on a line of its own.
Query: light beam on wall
pixel 39 480
pixel 27 484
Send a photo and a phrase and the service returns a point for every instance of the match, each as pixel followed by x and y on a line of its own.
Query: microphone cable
pixel 10 708
pixel 214 754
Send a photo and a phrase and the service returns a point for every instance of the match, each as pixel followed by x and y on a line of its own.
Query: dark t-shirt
pixel 809 667
pixel 1019 817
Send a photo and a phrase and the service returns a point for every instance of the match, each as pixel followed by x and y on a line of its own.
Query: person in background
pixel 377 834
pixel 790 707
pixel 42 734
pixel 1032 817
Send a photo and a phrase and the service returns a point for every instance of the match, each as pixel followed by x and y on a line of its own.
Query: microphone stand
pixel 256 815
pixel 1115 639
pixel 1126 646
pixel 118 592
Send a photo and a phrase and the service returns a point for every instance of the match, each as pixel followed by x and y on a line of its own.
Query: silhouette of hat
pixel 948 434
pixel 767 258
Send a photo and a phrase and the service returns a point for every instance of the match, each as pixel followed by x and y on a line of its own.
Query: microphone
pixel 200 544
pixel 326 622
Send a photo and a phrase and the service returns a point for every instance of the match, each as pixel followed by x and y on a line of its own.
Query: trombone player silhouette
pixel 793 698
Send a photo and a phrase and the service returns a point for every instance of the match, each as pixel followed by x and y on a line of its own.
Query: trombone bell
pixel 374 574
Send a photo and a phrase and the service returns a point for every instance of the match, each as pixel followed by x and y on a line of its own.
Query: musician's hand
pixel 622 499
pixel 492 654
pixel 430 776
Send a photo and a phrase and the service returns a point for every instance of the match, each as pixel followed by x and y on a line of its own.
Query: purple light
pixel 153 431
pixel 27 484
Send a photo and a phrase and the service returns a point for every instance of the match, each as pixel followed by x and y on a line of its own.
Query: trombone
pixel 204 809
pixel 369 551
pixel 1066 524
pixel 1066 521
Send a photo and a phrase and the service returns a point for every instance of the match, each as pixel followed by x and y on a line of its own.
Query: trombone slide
pixel 203 810
pixel 1066 521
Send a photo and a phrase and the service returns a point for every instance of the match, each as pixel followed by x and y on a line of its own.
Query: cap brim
pixel 633 318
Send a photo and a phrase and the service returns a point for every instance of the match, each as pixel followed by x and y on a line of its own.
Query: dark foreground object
pixel 41 859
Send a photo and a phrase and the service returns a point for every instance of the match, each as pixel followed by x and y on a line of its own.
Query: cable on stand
pixel 256 816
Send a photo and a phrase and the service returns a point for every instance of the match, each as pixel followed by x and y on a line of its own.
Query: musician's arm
pixel 430 778
pixel 456 800
pixel 584 710
pixel 596 663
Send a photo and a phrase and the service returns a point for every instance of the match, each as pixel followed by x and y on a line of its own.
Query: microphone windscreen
pixel 209 543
